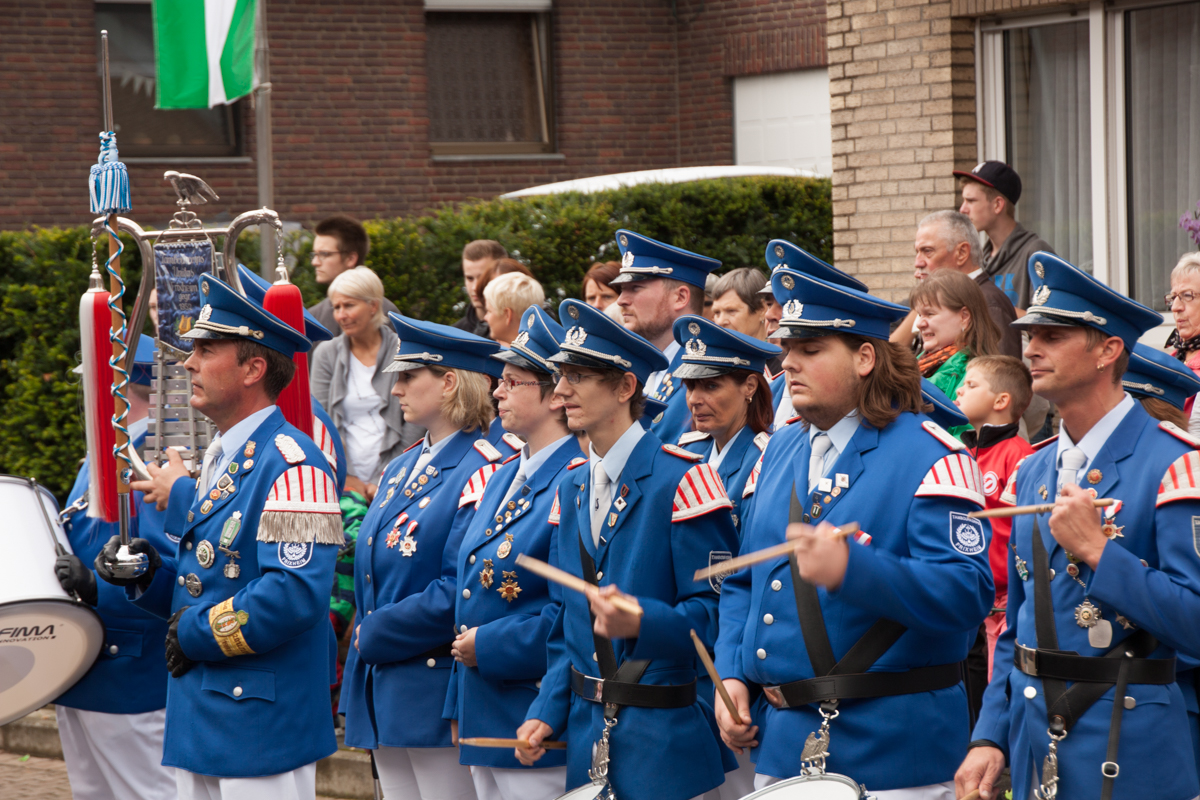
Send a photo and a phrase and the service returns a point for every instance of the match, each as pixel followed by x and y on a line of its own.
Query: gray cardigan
pixel 329 381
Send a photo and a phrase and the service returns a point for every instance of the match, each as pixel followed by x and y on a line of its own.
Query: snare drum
pixel 827 786
pixel 47 639
pixel 589 791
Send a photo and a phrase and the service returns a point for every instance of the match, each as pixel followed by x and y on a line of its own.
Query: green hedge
pixel 44 272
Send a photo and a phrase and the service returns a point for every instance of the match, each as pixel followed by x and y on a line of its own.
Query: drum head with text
pixel 46 646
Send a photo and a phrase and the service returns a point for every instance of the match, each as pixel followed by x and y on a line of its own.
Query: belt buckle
pixel 774 696
pixel 1026 660
pixel 597 694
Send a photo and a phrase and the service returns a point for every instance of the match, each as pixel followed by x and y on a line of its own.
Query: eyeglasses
pixel 510 385
pixel 575 378
pixel 1186 297
pixel 325 255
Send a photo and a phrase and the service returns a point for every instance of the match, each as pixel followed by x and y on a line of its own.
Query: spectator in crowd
pixel 340 244
pixel 990 193
pixel 349 381
pixel 710 284
pixel 504 299
pixel 740 305
pixel 1184 303
pixel 597 292
pixel 948 240
pixel 954 325
pixel 478 258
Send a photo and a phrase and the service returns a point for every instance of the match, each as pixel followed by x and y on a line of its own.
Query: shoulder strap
pixel 632 669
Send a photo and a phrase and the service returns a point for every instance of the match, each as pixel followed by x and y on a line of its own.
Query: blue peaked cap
pixel 428 344
pixel 537 341
pixel 813 307
pixel 226 314
pixel 1061 294
pixel 143 361
pixel 594 340
pixel 944 412
pixel 1153 373
pixel 256 289
pixel 643 259
pixel 782 253
pixel 709 349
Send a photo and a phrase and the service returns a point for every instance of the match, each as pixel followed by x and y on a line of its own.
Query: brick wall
pixel 638 85
pixel 902 89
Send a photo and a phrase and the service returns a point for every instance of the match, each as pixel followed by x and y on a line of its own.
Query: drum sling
pixel 849 678
pixel 1092 677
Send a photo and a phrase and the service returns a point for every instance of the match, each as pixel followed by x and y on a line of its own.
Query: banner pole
pixel 264 149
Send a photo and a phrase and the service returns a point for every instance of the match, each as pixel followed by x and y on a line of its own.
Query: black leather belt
pixel 863 685
pixel 639 695
pixel 1088 669
pixel 441 651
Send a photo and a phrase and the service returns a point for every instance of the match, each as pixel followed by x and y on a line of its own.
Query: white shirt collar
pixel 1093 441
pixel 975 274
pixel 718 453
pixel 434 449
pixel 614 460
pixel 234 439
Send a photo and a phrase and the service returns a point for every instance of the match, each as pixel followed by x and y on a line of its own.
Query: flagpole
pixel 265 151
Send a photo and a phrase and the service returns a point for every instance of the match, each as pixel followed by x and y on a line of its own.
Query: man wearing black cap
pixel 990 192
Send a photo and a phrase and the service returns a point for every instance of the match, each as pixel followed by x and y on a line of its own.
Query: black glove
pixel 108 556
pixel 77 578
pixel 178 664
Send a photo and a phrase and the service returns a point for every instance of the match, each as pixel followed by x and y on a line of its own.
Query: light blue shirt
pixel 613 462
pixel 434 449
pixel 529 464
pixel 655 378
pixel 839 436
pixel 718 453
pixel 233 440
pixel 1093 441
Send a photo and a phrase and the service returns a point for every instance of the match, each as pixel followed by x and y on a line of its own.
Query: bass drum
pixel 589 791
pixel 48 640
pixel 827 786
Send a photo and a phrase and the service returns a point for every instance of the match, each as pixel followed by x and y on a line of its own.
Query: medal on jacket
pixel 1088 616
pixel 229 530
pixel 505 547
pixel 231 569
pixel 205 555
pixel 408 545
pixel 486 574
pixel 509 589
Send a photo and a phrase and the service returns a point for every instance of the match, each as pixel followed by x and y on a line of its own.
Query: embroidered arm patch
pixel 699 493
pixel 1181 481
pixel 473 491
pixel 955 475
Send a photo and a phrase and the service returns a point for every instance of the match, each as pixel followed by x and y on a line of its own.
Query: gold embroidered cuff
pixel 226 626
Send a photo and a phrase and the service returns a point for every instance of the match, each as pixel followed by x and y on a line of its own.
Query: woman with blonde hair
pixel 399 668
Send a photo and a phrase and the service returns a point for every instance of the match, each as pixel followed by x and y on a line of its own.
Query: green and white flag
pixel 203 51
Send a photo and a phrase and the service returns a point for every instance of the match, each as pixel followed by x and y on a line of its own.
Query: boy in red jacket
pixel 993 395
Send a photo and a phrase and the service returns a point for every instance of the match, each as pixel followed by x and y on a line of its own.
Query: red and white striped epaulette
pixel 691 436
pixel 1180 434
pixel 577 461
pixel 303 489
pixel 761 440
pixel 1044 443
pixel 955 475
pixel 796 418
pixel 752 481
pixel 777 374
pixel 942 435
pixel 513 441
pixel 554 510
pixel 513 457
pixel 676 450
pixel 324 441
pixel 699 492
pixel 473 491
pixel 414 444
pixel 1181 481
pixel 1008 497
pixel 487 450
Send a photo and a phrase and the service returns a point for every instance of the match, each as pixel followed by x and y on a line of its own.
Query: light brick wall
pixel 902 95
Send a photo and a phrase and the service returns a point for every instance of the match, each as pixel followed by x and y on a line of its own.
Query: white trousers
pixel 738 783
pixel 115 755
pixel 423 773
pixel 492 783
pixel 934 791
pixel 298 784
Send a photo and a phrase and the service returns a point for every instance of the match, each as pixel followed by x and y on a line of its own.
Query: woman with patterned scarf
pixel 954 325
pixel 1183 301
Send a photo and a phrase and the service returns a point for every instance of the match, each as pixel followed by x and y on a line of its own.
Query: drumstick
pixel 702 651
pixel 1041 508
pixel 766 554
pixel 568 580
pixel 489 741
pixel 971 795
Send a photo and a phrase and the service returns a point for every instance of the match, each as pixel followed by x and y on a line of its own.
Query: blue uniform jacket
pixel 925 567
pixel 265 711
pixel 132 655
pixel 510 643
pixel 734 470
pixel 778 388
pixel 1150 576
pixel 650 552
pixel 677 419
pixel 405 582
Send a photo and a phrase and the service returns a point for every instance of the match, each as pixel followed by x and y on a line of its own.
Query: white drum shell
pixel 588 791
pixel 829 786
pixel 47 639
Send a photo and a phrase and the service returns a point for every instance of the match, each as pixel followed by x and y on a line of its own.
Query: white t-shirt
pixel 364 424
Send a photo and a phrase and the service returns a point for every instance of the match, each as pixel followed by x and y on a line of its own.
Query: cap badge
pixel 576 336
pixel 693 329
pixel 1039 270
pixel 532 319
pixel 1041 295
pixel 779 251
pixel 627 260
pixel 573 312
pixel 695 348
pixel 793 309
pixel 522 338
pixel 787 282
pixel 624 240
pixel 205 313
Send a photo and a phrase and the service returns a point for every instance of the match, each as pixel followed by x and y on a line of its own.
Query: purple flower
pixel 1190 222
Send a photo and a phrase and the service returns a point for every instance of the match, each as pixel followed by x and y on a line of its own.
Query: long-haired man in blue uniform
pixel 856 643
pixel 247 591
pixel 637 520
pixel 1102 603
pixel 659 284
pixel 500 651
pixel 112 738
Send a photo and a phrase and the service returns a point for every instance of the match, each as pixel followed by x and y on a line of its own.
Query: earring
pixel 1099 367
